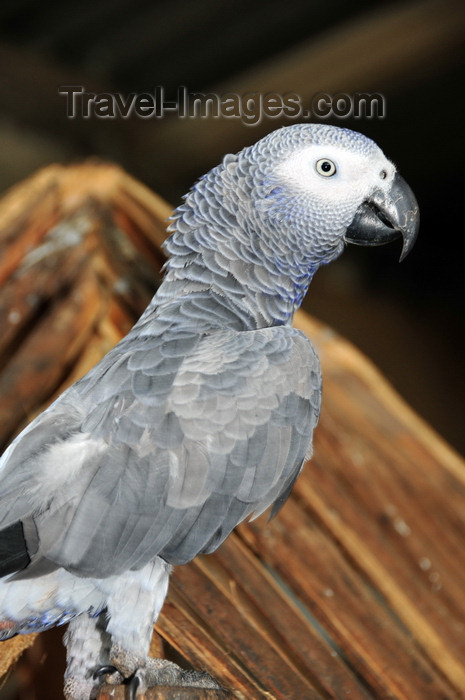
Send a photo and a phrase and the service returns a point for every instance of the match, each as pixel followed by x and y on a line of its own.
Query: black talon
pixel 104 670
pixel 132 684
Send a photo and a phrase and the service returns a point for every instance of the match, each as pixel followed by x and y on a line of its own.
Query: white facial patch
pixel 355 176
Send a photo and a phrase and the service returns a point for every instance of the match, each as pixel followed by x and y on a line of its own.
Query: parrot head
pixel 257 227
pixel 325 186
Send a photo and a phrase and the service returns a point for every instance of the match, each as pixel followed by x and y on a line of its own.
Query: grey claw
pixel 132 684
pixel 104 671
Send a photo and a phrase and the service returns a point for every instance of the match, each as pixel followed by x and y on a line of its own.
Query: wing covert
pixel 186 437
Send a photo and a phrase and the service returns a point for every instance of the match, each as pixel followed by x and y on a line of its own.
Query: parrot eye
pixel 383 174
pixel 325 167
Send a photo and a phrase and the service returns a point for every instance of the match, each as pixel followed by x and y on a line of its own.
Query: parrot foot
pixel 141 674
pixel 162 672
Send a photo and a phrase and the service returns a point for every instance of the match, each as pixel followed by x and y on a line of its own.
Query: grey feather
pixel 162 453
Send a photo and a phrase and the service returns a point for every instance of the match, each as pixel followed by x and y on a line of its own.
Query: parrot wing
pixel 162 449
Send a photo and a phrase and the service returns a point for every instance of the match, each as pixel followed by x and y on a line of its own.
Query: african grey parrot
pixel 201 416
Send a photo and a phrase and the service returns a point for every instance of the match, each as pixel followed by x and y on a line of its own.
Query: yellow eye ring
pixel 325 167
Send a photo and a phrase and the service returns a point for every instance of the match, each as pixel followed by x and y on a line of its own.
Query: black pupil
pixel 326 166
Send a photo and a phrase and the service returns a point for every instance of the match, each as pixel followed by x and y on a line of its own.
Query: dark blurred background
pixel 408 318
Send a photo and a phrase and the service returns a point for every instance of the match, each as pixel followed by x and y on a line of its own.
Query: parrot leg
pixel 132 608
pixel 87 648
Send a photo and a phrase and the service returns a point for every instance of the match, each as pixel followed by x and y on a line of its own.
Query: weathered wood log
pixel 356 588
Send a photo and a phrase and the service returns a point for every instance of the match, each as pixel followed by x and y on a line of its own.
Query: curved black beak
pixel 386 216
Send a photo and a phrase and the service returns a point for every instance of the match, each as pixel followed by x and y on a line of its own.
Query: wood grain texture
pixel 356 588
